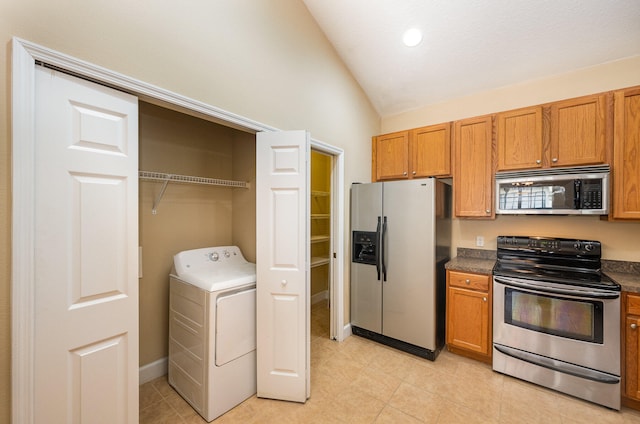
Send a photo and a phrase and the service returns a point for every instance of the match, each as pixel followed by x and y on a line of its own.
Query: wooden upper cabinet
pixel 473 168
pixel 418 153
pixel 578 131
pixel 390 156
pixel 520 139
pixel 430 149
pixel 626 154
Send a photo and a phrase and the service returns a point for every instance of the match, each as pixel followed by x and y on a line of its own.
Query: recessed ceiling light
pixel 412 37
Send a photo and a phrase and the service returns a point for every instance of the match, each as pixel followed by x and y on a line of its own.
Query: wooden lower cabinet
pixel 631 364
pixel 469 312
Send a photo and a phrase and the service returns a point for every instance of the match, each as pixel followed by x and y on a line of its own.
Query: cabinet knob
pixel 538 161
pixel 484 299
pixel 404 173
pixel 414 172
pixel 488 211
pixel 283 283
pixel 633 326
pixel 467 281
pixel 554 160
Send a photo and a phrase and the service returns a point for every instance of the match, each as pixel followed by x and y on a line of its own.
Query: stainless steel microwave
pixel 560 191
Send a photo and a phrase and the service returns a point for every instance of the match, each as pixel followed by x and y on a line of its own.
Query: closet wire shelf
pixel 184 179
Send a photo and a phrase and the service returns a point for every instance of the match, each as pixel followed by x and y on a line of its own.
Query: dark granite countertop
pixel 480 261
pixel 627 274
pixel 475 265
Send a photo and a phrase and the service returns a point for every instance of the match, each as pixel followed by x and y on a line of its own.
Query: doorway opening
pixel 321 244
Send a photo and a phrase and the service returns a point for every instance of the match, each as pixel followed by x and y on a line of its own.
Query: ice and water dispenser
pixel 365 247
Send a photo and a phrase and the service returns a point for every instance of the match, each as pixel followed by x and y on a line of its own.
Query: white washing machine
pixel 212 329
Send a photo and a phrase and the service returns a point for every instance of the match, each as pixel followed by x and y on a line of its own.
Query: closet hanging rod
pixel 184 179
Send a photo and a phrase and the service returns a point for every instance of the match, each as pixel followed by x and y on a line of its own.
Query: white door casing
pixel 86 259
pixel 282 265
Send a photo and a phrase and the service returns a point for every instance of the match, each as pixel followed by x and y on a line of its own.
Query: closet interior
pixel 197 189
pixel 320 232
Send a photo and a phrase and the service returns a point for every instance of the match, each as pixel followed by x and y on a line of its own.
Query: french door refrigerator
pixel 401 238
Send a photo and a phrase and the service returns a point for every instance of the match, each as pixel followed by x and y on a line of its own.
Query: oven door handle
pixel 593 294
pixel 559 366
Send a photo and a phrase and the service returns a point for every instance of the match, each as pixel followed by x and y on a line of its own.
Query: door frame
pixel 24 56
pixel 336 261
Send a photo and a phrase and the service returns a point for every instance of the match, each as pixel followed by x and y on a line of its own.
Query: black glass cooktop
pixel 564 261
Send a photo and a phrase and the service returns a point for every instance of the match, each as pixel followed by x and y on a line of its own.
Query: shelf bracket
pixel 156 202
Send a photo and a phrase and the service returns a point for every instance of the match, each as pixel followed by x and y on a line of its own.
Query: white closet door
pixel 282 268
pixel 86 259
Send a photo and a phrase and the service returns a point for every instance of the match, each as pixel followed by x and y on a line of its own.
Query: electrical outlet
pixel 479 241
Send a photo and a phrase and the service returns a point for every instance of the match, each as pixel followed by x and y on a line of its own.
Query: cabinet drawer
pixel 633 304
pixel 470 281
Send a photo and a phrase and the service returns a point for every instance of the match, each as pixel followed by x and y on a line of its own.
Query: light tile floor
pixel 360 381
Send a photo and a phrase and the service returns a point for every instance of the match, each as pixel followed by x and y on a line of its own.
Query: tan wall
pixel 188 216
pixel 619 239
pixel 263 59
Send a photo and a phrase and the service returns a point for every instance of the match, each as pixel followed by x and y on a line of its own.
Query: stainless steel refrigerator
pixel 401 238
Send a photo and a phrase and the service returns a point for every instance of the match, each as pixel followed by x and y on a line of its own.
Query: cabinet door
pixel 626 154
pixel 391 156
pixel 473 170
pixel 520 139
pixel 632 347
pixel 430 149
pixel 468 319
pixel 578 131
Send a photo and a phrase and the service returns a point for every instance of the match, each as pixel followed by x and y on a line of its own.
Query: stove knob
pixel 588 247
pixel 577 245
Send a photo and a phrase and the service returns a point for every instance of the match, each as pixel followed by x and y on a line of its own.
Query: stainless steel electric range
pixel 556 317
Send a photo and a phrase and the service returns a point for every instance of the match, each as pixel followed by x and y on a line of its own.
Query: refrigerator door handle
pixel 382 249
pixel 378 253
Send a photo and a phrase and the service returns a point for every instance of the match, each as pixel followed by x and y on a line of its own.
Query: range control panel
pixel 550 245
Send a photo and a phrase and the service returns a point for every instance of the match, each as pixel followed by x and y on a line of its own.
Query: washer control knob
pixel 214 256
pixel 227 254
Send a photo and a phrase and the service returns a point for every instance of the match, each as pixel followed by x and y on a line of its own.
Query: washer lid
pixel 222 278
pixel 214 268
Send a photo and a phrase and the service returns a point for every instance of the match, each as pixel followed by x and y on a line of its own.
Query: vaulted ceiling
pixel 471 46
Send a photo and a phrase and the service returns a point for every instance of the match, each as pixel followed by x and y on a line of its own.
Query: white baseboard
pixel 153 370
pixel 346 331
pixel 319 297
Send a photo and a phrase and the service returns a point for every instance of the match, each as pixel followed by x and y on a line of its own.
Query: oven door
pixel 568 323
